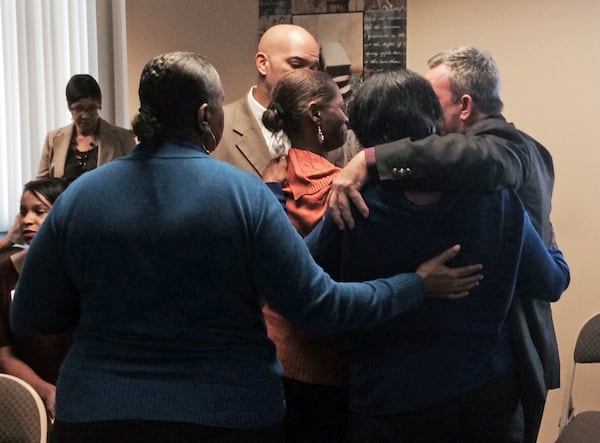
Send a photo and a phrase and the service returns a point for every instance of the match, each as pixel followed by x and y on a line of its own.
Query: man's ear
pixel 467 107
pixel 261 59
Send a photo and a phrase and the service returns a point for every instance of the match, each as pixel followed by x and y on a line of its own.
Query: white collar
pixel 278 143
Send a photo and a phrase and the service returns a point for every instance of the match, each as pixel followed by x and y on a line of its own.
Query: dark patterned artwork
pixel 272 12
pixel 384 39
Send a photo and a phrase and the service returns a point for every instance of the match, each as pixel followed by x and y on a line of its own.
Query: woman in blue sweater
pixel 443 372
pixel 164 273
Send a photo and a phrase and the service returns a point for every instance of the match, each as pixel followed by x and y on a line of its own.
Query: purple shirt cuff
pixel 371 163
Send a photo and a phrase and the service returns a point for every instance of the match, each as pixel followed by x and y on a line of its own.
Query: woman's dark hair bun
pixel 274 117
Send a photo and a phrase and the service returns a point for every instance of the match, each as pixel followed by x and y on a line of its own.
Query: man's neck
pixel 261 95
pixel 475 117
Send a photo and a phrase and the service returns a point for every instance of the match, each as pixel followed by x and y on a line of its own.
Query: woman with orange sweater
pixel 309 108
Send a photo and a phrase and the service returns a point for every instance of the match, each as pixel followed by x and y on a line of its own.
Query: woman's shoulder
pixel 107 126
pixel 63 130
pixel 107 130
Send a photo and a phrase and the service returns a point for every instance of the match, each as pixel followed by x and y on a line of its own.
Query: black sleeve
pixel 491 156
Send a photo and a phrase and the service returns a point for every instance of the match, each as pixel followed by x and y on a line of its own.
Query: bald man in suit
pixel 246 143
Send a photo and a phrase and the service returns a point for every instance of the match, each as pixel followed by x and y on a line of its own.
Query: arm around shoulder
pixel 296 287
pixel 481 160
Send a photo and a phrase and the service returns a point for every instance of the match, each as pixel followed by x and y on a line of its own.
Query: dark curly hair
pixel 393 105
pixel 172 87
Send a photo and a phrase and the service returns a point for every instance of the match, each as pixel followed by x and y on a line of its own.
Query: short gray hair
pixel 472 72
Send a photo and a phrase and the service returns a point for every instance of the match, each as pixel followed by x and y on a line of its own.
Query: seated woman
pixel 34 359
pixel 308 107
pixel 444 372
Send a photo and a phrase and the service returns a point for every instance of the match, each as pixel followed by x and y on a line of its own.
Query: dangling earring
pixel 320 133
pixel 213 139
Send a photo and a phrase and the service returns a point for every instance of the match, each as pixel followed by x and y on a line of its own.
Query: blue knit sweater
pixel 162 259
pixel 442 348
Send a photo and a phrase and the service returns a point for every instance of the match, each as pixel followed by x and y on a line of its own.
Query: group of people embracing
pixel 207 305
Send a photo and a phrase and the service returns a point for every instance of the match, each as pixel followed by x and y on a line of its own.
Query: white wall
pixel 225 31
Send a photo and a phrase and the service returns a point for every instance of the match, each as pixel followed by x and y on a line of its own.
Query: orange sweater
pixel 306 187
pixel 304 357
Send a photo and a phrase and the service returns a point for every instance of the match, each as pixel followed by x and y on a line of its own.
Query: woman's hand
pixel 10 364
pixel 443 282
pixel 49 398
pixel 276 170
pixel 5 243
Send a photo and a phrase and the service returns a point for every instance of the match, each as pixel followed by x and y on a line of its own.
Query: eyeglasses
pixel 79 110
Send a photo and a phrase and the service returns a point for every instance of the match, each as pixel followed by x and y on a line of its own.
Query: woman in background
pixel 81 146
pixel 33 359
pixel 89 141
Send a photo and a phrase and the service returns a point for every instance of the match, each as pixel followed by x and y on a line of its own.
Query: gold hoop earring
pixel 320 134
